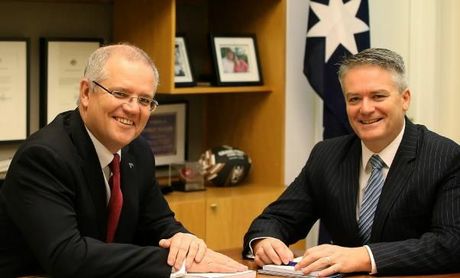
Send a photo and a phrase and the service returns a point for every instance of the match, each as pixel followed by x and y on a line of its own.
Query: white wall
pixel 425 32
pixel 300 97
pixel 437 86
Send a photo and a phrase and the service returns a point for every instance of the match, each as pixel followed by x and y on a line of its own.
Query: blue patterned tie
pixel 371 198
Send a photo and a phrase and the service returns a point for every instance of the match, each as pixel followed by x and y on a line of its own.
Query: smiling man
pixel 80 198
pixel 389 194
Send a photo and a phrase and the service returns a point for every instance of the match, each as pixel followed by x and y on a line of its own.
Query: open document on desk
pixel 241 274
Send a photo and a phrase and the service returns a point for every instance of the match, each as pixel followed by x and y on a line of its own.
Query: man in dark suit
pixel 59 191
pixel 413 201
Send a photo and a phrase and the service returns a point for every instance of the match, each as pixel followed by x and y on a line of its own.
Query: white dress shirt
pixel 105 157
pixel 387 155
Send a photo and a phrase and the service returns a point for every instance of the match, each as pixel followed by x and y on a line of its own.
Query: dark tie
pixel 116 198
pixel 371 198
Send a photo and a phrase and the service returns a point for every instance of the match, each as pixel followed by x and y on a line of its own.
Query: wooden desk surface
pixel 236 255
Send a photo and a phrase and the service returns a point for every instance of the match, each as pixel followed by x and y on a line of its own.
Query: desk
pixel 236 255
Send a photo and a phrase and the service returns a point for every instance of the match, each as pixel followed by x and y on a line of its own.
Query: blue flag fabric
pixel 336 28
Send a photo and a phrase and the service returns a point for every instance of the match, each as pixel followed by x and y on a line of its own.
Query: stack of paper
pixel 283 270
pixel 288 270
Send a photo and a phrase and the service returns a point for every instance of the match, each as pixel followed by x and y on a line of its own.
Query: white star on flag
pixel 338 24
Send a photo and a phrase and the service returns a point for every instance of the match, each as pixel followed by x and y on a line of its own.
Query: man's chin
pixel 369 136
pixel 123 141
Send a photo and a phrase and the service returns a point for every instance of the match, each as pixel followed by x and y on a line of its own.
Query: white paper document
pixel 288 270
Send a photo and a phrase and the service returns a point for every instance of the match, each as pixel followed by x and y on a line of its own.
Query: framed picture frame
pixel 183 74
pixel 166 133
pixel 62 63
pixel 236 60
pixel 14 89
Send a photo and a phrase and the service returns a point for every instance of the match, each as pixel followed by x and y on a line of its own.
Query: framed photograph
pixel 166 133
pixel 14 89
pixel 183 75
pixel 236 61
pixel 62 63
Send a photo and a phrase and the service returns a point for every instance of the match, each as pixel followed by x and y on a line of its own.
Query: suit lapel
pixel 350 172
pixel 397 178
pixel 129 182
pixel 91 169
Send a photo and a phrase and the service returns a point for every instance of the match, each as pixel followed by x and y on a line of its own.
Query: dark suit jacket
pixel 53 209
pixel 417 223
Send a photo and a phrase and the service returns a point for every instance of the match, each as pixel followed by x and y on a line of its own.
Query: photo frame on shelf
pixel 183 74
pixel 236 60
pixel 14 89
pixel 62 63
pixel 166 133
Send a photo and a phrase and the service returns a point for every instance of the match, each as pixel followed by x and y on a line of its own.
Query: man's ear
pixel 406 96
pixel 85 90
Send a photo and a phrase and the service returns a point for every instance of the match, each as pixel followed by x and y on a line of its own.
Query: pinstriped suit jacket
pixel 417 222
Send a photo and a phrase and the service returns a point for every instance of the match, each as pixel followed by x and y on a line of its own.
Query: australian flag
pixel 336 28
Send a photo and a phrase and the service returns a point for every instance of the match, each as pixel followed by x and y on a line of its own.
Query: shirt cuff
pixel 250 254
pixel 371 256
pixel 180 273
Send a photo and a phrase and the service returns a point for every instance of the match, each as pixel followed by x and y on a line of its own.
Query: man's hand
pixel 216 262
pixel 329 259
pixel 271 251
pixel 184 246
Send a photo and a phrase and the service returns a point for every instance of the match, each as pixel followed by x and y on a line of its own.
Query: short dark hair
pixel 381 57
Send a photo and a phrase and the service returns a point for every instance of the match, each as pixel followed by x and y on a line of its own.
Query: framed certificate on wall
pixel 62 63
pixel 14 89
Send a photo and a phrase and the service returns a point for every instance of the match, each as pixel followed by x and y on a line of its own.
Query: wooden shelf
pixel 218 90
pixel 250 118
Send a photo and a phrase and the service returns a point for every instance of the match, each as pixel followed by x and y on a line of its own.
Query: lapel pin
pixel 131 165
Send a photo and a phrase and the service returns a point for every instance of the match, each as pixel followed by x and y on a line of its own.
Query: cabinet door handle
pixel 213 206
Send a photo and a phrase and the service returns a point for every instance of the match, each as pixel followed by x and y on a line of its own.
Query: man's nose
pixel 133 103
pixel 367 106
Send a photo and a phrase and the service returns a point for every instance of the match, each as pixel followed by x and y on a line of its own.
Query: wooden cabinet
pixel 250 118
pixel 190 210
pixel 221 216
pixel 219 222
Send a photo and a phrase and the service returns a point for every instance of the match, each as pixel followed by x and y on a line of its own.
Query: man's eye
pixel 119 94
pixel 353 100
pixel 144 101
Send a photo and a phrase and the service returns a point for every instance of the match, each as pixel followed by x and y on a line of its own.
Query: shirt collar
pixel 104 155
pixel 387 154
